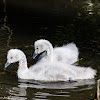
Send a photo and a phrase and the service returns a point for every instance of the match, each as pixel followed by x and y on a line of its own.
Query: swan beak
pixel 34 55
pixel 6 65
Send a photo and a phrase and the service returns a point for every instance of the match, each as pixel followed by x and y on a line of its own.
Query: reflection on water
pixel 30 89
pixel 62 22
pixel 54 85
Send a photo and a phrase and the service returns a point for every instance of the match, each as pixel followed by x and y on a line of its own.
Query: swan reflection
pixel 41 90
pixel 54 85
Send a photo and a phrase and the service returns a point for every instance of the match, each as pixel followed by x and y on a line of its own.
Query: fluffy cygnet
pixel 66 54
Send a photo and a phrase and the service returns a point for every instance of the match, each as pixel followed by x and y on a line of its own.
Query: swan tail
pixel 72 53
pixel 89 73
pixel 72 46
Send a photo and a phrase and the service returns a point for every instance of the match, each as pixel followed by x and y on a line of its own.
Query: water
pixel 60 22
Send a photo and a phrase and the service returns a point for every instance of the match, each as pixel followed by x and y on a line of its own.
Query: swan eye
pixel 11 57
pixel 37 48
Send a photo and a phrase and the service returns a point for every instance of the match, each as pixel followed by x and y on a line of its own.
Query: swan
pixel 67 54
pixel 47 71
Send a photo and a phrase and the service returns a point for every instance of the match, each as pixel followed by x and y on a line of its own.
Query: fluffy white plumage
pixel 67 54
pixel 47 71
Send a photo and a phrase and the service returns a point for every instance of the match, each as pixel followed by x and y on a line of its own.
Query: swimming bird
pixel 47 71
pixel 67 54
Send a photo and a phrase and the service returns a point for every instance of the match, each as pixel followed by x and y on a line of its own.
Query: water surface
pixel 62 22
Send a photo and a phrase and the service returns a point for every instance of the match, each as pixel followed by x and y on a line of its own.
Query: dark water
pixel 59 21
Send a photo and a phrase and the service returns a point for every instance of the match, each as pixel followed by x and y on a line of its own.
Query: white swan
pixel 67 54
pixel 47 71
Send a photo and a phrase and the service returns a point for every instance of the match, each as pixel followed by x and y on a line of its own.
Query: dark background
pixel 59 21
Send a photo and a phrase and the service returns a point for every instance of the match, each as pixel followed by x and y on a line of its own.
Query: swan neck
pixel 23 69
pixel 23 63
pixel 50 51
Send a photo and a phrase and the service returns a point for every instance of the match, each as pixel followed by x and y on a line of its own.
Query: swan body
pixel 47 71
pixel 66 54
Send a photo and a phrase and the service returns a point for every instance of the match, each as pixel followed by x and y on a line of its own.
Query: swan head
pixel 41 46
pixel 14 55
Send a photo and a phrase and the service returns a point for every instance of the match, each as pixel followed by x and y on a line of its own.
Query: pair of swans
pixel 49 67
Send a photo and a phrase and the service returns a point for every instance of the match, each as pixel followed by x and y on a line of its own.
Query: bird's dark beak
pixel 34 55
pixel 6 65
